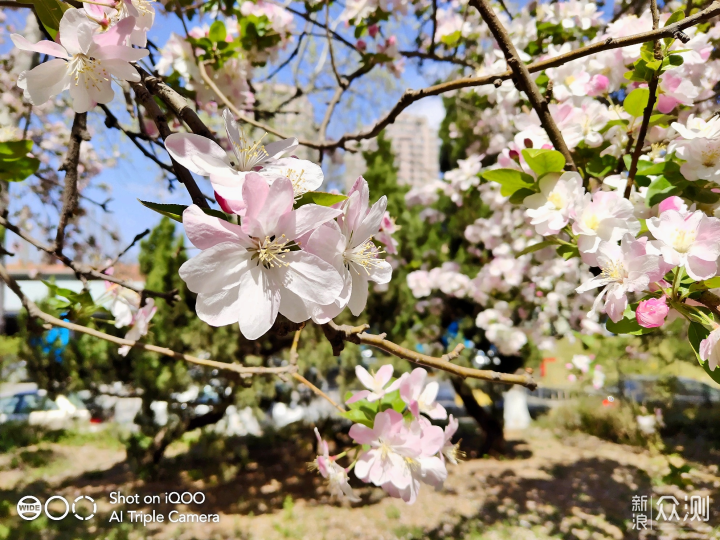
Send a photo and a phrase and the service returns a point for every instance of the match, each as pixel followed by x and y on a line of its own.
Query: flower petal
pixel 207 231
pixel 119 52
pixel 121 69
pixel 305 219
pixel 116 34
pixel 359 295
pixel 370 224
pixel 220 308
pixel 44 81
pixel 183 146
pixel 260 301
pixel 279 148
pixel 217 268
pixel 362 434
pixel 76 32
pixel 309 277
pixel 42 47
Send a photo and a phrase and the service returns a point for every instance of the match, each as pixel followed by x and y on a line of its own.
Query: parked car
pixel 36 408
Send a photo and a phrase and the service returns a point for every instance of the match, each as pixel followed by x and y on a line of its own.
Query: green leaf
pixel 520 195
pixel 15 165
pixel 636 101
pixel 661 120
pixel 675 60
pixel 543 160
pixel 217 31
pixel 511 180
pixel 712 283
pixel 660 190
pixel 679 15
pixel 320 198
pixel 175 211
pixel 568 252
pixel 451 39
pixel 628 324
pixel 696 333
pixel 647 168
pixel 536 247
pixel 49 12
pixel 358 416
pixel 600 167
pixel 703 195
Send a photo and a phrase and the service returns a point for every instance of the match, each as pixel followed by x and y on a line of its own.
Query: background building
pixel 416 149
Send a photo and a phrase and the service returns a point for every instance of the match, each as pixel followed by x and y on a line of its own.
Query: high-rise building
pixel 416 149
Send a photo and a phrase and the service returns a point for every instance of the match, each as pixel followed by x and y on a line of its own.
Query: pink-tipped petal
pixel 42 47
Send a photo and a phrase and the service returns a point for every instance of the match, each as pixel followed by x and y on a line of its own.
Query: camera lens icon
pixel 29 508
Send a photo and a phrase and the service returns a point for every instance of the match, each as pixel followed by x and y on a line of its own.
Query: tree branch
pixel 338 334
pixel 153 110
pixel 111 121
pixel 34 311
pixel 83 270
pixel 647 113
pixel 520 69
pixel 78 134
pixel 176 103
pixel 180 107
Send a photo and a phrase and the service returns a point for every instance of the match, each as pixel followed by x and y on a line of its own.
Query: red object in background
pixel 542 365
pixel 96 420
pixel 608 403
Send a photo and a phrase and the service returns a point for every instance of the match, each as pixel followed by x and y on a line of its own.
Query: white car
pixel 37 409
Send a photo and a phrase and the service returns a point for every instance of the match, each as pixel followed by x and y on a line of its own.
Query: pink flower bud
pixel 651 313
pixel 361 45
pixel 514 155
pixel 373 30
pixel 528 143
pixel 547 146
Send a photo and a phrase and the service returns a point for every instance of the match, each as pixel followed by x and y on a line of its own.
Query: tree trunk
pixel 494 442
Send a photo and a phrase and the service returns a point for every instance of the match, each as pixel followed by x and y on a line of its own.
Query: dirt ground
pixel 550 486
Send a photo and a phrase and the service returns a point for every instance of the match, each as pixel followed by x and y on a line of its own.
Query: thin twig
pixel 135 240
pixel 111 121
pixel 78 134
pixel 647 113
pixel 180 107
pixel 342 82
pixel 82 270
pixel 294 346
pixel 316 390
pixel 34 311
pixel 537 100
pixel 338 334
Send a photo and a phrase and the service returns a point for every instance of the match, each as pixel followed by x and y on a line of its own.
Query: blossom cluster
pixel 124 305
pixel 90 52
pixel 548 238
pixel 273 249
pixel 398 446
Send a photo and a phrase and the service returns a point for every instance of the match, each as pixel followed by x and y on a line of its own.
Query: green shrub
pixel 615 423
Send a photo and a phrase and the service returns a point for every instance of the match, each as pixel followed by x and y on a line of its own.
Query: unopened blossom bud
pixel 528 143
pixel 361 45
pixel 652 313
pixel 373 30
pixel 514 155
